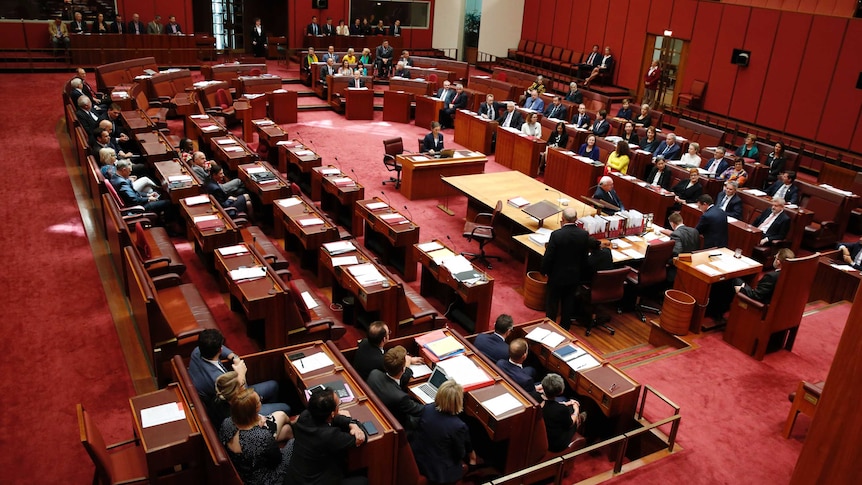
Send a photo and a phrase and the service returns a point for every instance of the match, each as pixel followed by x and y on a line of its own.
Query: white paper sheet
pixel 309 300
pixel 501 404
pixel 231 250
pixel 312 363
pixel 165 413
pixel 197 200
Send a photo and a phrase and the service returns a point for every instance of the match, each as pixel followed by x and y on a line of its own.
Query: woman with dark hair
pixel 619 159
pixel 687 191
pixel 589 149
pixel 630 135
pixel 212 185
pixel 650 142
pixel 775 161
pixel 187 149
pixel 99 26
pixel 345 69
pixel 559 138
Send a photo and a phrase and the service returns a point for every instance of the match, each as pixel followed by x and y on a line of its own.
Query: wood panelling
pixel 722 76
pixel 750 80
pixel 597 25
pixel 844 102
pixel 780 83
pixel 702 46
pixel 680 19
pixel 634 41
pixel 532 14
pixel 659 16
pixel 148 9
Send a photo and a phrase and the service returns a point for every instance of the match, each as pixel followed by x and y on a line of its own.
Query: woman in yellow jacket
pixel 618 160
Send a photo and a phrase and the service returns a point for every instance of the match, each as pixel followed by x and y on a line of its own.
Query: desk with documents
pixel 474 132
pixel 203 128
pixel 629 248
pixel 388 233
pixel 421 173
pixel 304 228
pixel 208 224
pixel 337 193
pixel 231 152
pixel 739 234
pixel 264 181
pixel 269 134
pixel 518 151
pixel 176 179
pixel 296 160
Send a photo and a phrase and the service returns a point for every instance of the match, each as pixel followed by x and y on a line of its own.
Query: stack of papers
pixel 312 363
pixel 289 202
pixel 458 264
pixel 501 404
pixel 465 372
pixel 252 170
pixel 210 128
pixel 251 273
pixel 445 347
pixel 542 236
pixel 197 200
pixel 518 202
pixel 344 261
pixel 545 337
pixel 394 218
pixel 339 247
pixel 311 221
pixel 330 171
pixel 593 225
pixel 199 117
pixel 420 370
pixel 310 302
pixel 429 246
pixel 343 182
pixel 366 274
pixel 376 206
pixel 233 149
pixel 231 250
pixel 226 141
pixel 583 362
pixel 440 255
pixel 179 178
pixel 165 413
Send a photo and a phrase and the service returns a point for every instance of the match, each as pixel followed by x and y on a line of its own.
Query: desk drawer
pixel 587 388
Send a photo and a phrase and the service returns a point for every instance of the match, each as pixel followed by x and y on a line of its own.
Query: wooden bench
pixel 226 72
pixel 303 324
pixel 831 214
pixel 338 85
pixel 460 69
pixel 415 314
pixel 800 218
pixel 844 179
pixel 123 72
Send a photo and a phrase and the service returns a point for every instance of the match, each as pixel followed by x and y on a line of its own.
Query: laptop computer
pixel 426 392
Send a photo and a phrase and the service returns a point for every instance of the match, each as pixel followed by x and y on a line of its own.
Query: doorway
pixel 671 54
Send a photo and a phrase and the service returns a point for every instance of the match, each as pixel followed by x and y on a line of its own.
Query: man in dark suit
pixel 766 286
pixel 513 365
pixel 383 59
pixel 369 353
pixel 784 187
pixel 592 61
pixel 686 239
pixel 401 70
pixel 357 82
pixel 718 164
pixel 775 224
pixel 89 120
pixel 490 108
pixel 356 27
pixel 446 93
pixel 556 109
pixel 605 191
pixel 388 388
pixel 313 28
pixel 328 28
pixel 117 27
pixel 511 118
pixel 433 142
pixel 581 119
pixel 328 70
pixel 258 39
pixel 173 28
pixel 712 224
pixel 494 345
pixel 660 174
pixel 566 256
pixel 852 254
pixel 78 26
pixel 396 30
pixel 601 125
pixel 729 201
pixel 136 27
pixel 447 114
pixel 669 148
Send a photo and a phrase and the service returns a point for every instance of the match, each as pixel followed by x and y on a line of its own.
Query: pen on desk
pixel 613 386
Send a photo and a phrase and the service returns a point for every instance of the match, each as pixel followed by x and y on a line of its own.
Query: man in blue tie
pixel 581 118
pixel 601 126
pixel 669 148
pixel 556 109
pixel 534 102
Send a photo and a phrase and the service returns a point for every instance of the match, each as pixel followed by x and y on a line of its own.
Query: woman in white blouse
pixel 691 157
pixel 342 29
pixel 532 127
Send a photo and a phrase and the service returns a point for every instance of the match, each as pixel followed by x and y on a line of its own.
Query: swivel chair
pixel 482 230
pixel 606 287
pixel 393 147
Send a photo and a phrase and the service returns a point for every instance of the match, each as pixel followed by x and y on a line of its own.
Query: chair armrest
pixel 489 228
pixel 166 281
pixel 133 209
pixel 282 273
pixel 483 215
pixel 150 262
pixel 155 103
pixel 146 219
pixel 753 304
pixel 159 100
pixel 212 111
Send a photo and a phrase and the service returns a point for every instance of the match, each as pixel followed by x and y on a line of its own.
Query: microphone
pixel 387 200
pixel 409 214
pixel 560 200
pixel 355 177
pixel 338 164
pixel 453 244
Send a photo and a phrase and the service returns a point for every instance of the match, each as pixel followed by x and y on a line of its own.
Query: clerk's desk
pixel 484 190
pixel 378 454
pixel 421 173
pixel 697 283
pixel 535 251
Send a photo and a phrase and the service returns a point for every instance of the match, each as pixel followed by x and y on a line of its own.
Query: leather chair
pixel 119 463
pixel 694 98
pixel 223 107
pixel 752 325
pixel 804 401
pixel 482 230
pixel 606 287
pixel 652 272
pixel 539 451
pixel 391 148
pixel 154 110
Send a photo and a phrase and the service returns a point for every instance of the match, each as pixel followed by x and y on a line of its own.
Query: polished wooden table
pixel 230 70
pixel 203 128
pixel 296 219
pixel 388 233
pixel 646 198
pixel 518 151
pixel 697 277
pixel 740 234
pixel 337 193
pixel 623 253
pixel 396 106
pixel 136 121
pixel 358 104
pixel 256 84
pixel 269 134
pixel 472 300
pixel 297 160
pixel 200 217
pixel 833 283
pixel 570 173
pixel 417 86
pixel 427 110
pixel 281 106
pixel 155 147
pixel 379 454
pixel 177 180
pixel 267 191
pixel 421 173
pixel 231 152
pixel 474 132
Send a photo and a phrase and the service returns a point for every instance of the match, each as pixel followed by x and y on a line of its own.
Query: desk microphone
pixel 409 214
pixel 338 164
pixel 355 177
pixel 560 200
pixel 453 244
pixel 391 209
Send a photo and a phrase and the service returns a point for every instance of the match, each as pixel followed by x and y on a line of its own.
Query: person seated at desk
pixel 144 185
pixel 574 95
pixel 718 164
pixel 605 191
pixel 766 286
pixel 327 70
pixel 78 26
pixel 250 444
pixel 309 59
pixel 601 127
pixel 562 419
pixel 687 191
pixel 102 139
pixel 330 54
pixel 534 102
pixel 712 224
pixel 350 57
pixel 228 386
pixel 433 142
pixel 774 223
pixel 775 162
pixel 581 119
pixel 99 26
pixel 737 173
pixel 851 254
pixel 490 108
pixel 406 59
pixel 366 58
pixel 650 142
pixel 691 158
pixel 559 138
pixel 659 174
pixel 784 187
pixel 589 149
pixel 494 345
pixel 401 71
pixel 369 353
pixel 358 82
pixel 388 387
pixel 514 365
pixel 442 442
pixel 749 148
pixel 532 127
pixel 625 112
pixel 212 185
pixel 383 59
pixel 362 70
pixel 538 85
pixel 345 69
pixel 173 28
pixel 511 118
pixel 556 110
pixel 618 160
pixel 187 150
pixel 630 135
pixel 643 118
pixel 126 190
pixel 729 201
pixel 446 93
pixel 323 435
pixel 459 101
pixel 201 167
pixel 669 148
pixel 205 367
pixel 601 258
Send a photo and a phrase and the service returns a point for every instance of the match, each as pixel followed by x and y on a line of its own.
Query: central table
pixel 421 174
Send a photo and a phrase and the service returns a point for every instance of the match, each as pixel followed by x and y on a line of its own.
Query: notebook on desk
pixel 427 391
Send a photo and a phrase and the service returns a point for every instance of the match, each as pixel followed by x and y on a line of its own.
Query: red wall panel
pixel 791 5
pixel 722 76
pixel 824 7
pixel 578 30
pixel 544 23
pixel 807 6
pixel 596 25
pixel 12 35
pixel 615 31
pixel 659 16
pixel 629 58
pixel 681 19
pixel 530 24
pixel 844 101
pixel 148 9
pixel 702 47
pixel 560 24
pixel 818 66
pixel 790 40
pixel 749 82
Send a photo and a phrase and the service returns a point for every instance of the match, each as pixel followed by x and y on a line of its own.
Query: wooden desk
pixel 421 174
pixel 172 175
pixel 740 234
pixel 337 193
pixel 711 185
pixel 427 110
pixel 518 151
pixel 228 71
pixel 484 190
pixel 269 134
pixel 167 50
pixel 155 147
pixel 419 87
pixel 358 104
pixel 393 242
pixel 379 453
pixel 474 132
pixel 696 283
pixel 136 121
pixel 535 251
pixel 288 215
pixel 256 84
pixel 378 300
pixel 231 152
pixel 570 173
pixel 297 161
pixel 203 128
pixel 120 95
pixel 207 239
pixel 248 108
pixel 281 106
pixel 172 446
pixel 637 194
pixel 267 192
pixel 473 301
pixel 396 106
pixel 501 90
pixel 832 284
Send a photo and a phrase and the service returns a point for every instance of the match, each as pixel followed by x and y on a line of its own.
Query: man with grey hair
pixel 729 201
pixel 775 223
pixel 447 114
pixel 125 189
pixel 201 168
pixel 718 164
pixel 89 120
pixel 511 118
pixel 605 191
pixel 565 264
pixel 562 418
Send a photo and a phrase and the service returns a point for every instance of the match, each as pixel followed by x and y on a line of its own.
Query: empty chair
pixel 606 287
pixel 123 462
pixel 393 147
pixel 482 230
pixel 223 107
pixel 804 401
pixel 694 98
pixel 652 272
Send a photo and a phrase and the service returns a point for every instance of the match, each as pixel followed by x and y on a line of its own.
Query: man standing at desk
pixel 494 344
pixel 712 224
pixel 565 259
